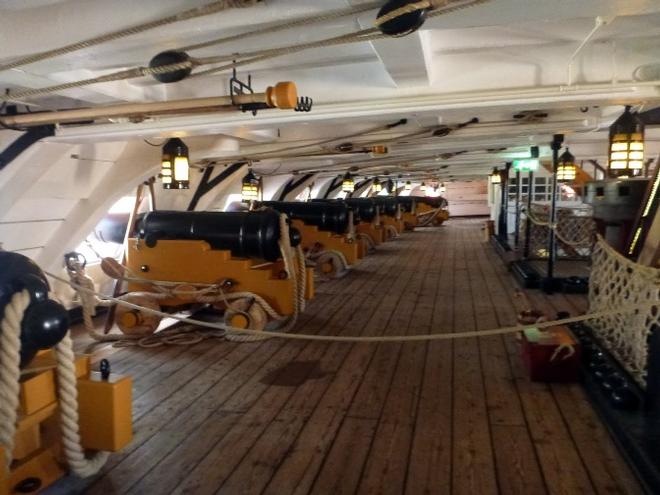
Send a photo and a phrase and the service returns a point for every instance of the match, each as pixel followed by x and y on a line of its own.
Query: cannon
pixel 231 260
pixel 45 322
pixel 431 211
pixel 369 227
pixel 37 458
pixel 326 228
pixel 390 216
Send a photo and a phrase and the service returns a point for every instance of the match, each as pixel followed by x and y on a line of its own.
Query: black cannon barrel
pixel 387 204
pixel 45 322
pixel 365 208
pixel 331 216
pixel 246 234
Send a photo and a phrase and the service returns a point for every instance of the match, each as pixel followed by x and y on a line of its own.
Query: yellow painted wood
pixel 43 464
pixel 312 236
pixel 105 412
pixel 195 261
pixel 26 441
pixel 371 229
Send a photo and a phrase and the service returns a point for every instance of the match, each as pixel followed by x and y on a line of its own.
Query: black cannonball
pixel 624 398
pixel 403 24
pixel 45 322
pixel 613 381
pixel 167 58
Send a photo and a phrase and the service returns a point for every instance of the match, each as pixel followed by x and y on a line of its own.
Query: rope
pixel 379 339
pixel 555 228
pixel 429 217
pixel 392 230
pixel 68 401
pixel 371 244
pixel 10 351
pixel 205 10
pixel 240 59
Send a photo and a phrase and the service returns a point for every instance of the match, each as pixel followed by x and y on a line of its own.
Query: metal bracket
pixel 238 87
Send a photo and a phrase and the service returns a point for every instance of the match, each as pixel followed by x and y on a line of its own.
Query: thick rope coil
pixel 68 400
pixel 10 374
pixel 337 258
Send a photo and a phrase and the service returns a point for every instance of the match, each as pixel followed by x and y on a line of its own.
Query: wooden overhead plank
pixel 236 424
pixel 474 466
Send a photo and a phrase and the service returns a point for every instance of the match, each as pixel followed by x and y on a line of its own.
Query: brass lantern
pixel 443 188
pixel 423 187
pixel 250 187
pixel 495 177
pixel 408 186
pixel 626 146
pixel 566 169
pixel 175 165
pixel 347 183
pixel 376 186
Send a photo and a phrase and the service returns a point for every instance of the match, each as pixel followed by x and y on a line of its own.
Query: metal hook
pixel 304 104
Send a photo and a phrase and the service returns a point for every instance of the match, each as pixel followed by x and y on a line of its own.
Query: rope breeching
pixel 10 347
pixel 380 339
pixel 238 59
pixel 294 263
pixel 428 217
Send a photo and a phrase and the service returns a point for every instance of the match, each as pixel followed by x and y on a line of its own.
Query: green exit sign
pixel 526 165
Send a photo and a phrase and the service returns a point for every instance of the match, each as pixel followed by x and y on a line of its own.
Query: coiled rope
pixel 10 349
pixel 428 217
pixel 238 59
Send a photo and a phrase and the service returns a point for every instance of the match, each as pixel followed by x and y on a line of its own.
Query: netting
pixel 575 232
pixel 617 282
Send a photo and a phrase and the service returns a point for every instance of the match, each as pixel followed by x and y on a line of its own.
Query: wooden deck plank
pixel 473 463
pixel 430 461
pixel 387 464
pixel 238 433
pixel 444 417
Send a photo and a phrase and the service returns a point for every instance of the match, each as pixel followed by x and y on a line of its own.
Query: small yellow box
pixel 105 408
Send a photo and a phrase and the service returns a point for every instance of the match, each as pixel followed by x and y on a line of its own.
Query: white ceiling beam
pixel 404 60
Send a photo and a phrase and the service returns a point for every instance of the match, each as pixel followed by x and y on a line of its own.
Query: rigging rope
pixel 10 350
pixel 205 10
pixel 369 34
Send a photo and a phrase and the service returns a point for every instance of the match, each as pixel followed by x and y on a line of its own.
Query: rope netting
pixel 575 231
pixel 616 281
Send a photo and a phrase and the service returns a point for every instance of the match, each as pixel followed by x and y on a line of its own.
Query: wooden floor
pixel 456 417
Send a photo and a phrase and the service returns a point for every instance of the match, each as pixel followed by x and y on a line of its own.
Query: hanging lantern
pixel 376 186
pixel 348 184
pixel 566 169
pixel 423 187
pixel 443 188
pixel 626 146
pixel 250 187
pixel 495 177
pixel 175 165
pixel 408 186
